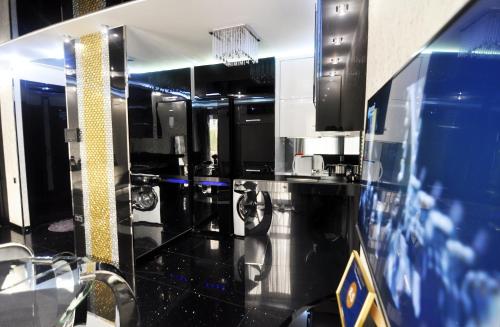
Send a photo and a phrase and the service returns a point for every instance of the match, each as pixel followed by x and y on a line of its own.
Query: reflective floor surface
pixel 205 282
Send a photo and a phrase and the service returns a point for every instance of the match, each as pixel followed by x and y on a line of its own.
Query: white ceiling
pixel 166 34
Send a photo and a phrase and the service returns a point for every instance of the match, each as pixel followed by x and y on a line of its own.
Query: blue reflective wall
pixel 430 207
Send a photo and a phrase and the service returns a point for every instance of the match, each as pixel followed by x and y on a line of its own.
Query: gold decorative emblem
pixel 351 295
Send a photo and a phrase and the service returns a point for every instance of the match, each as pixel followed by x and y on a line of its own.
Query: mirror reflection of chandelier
pixel 235 45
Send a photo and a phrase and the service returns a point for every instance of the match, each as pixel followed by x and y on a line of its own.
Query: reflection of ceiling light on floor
pixel 279 279
pixel 214 245
pixel 342 9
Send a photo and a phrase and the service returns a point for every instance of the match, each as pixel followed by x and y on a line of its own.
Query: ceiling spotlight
pixel 342 9
pixel 337 40
pixel 335 61
pixel 104 29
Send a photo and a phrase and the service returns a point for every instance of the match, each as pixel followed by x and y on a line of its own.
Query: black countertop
pixel 312 184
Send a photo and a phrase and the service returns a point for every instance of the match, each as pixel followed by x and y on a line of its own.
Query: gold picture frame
pixel 370 297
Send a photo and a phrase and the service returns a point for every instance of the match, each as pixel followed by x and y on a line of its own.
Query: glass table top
pixel 48 291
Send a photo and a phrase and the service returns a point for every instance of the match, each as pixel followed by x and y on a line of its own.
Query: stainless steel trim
pixel 124 297
pixel 12 251
pixel 211 179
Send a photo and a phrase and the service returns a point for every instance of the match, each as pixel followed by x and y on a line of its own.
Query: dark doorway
pixel 46 153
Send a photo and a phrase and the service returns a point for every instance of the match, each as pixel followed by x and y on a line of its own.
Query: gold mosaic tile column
pixel 83 7
pixel 97 163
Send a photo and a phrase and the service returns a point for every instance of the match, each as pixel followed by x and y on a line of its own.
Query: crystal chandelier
pixel 235 46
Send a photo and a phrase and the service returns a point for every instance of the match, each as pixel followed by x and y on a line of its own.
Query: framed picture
pixel 355 295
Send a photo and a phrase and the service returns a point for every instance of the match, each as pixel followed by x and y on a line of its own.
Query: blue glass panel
pixel 430 207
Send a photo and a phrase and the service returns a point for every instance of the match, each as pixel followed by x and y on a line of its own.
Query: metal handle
pixel 14 251
pixel 253 120
pixel 124 296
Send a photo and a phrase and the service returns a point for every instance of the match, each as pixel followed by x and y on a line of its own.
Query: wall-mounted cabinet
pixel 297 118
pixel 297 114
pixel 296 78
pixel 340 64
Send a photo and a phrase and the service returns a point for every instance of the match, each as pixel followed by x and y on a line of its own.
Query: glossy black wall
pixel 247 79
pixel 30 15
pixel 149 95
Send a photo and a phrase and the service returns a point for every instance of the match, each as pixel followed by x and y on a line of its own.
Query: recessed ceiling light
pixel 335 60
pixel 337 40
pixel 342 9
pixel 104 29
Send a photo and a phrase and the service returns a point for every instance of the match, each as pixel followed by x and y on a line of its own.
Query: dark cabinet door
pixel 328 113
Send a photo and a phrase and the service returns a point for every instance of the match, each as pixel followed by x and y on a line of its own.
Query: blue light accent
pixel 216 286
pixel 209 183
pixel 180 278
pixel 154 88
pixel 253 100
pixel 176 180
pixel 210 104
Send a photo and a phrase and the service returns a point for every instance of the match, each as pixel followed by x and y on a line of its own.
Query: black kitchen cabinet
pixel 340 64
pixel 220 80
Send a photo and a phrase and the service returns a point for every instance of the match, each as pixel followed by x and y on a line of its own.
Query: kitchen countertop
pixel 312 184
pixel 303 179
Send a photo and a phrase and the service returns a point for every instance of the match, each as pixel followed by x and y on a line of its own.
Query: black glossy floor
pixel 40 239
pixel 199 283
pixel 204 282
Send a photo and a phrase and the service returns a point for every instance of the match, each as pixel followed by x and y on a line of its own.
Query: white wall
pixel 10 150
pixel 4 21
pixel 397 30
pixel 12 132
